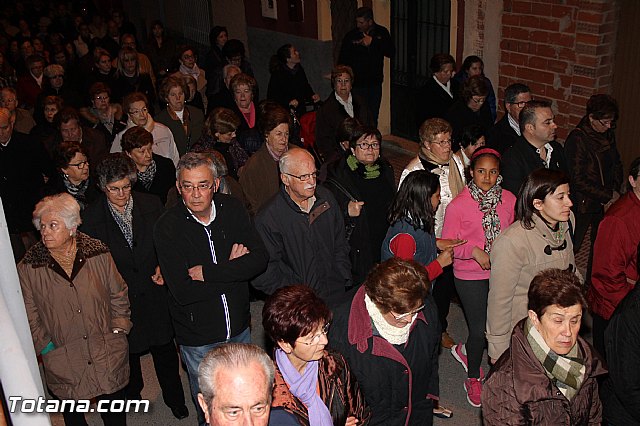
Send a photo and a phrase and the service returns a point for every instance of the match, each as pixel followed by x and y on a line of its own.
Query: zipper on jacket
pixel 211 247
pixel 226 315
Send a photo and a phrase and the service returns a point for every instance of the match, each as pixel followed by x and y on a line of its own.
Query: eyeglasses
pixel 80 165
pixel 185 57
pixel 304 177
pixel 119 190
pixel 316 339
pixel 445 142
pixel 57 76
pixel 403 316
pixel 518 104
pixel 138 111
pixel 189 187
pixel 343 81
pixel 102 98
pixel 608 123
pixel 478 101
pixel 364 145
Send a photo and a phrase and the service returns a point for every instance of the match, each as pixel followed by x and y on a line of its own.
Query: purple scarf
pixel 303 386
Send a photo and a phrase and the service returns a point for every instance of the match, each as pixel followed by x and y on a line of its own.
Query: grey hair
pixel 229 356
pixel 115 167
pixel 221 172
pixel 512 91
pixel 53 69
pixel 63 205
pixel 226 68
pixel 285 160
pixel 191 160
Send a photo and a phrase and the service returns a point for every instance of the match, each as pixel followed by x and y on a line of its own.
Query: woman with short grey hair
pixel 123 219
pixel 78 309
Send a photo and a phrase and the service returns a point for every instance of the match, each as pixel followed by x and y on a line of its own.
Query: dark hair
pixel 292 312
pixel 232 48
pixel 169 83
pixel 135 137
pixel 481 153
pixel 470 60
pixel 555 287
pixel 513 90
pixel 397 285
pixel 114 167
pixel 474 86
pixel 528 113
pixel 99 87
pixel 602 106
pixel 345 129
pixel 271 115
pixel 33 59
pixel 634 172
pixel 365 131
pixel 440 59
pixel 98 53
pixel 412 202
pixel 66 115
pixel 64 153
pixel 134 97
pixel 280 58
pixel 215 32
pixel 221 120
pixel 364 12
pixel 537 186
pixel 53 100
pixel 470 135
pixel 185 48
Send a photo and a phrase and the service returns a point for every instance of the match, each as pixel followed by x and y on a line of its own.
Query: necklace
pixel 66 257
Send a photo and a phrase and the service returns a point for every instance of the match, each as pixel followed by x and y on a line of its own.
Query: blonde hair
pixel 63 205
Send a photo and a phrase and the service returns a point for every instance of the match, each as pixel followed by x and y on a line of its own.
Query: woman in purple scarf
pixel 314 385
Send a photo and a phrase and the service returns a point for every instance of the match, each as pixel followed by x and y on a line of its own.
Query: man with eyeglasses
pixel 93 141
pixel 23 165
pixel 535 149
pixel 208 251
pixel 507 130
pixel 303 230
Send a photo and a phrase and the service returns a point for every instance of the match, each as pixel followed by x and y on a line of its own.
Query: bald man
pixel 303 230
pixel 23 166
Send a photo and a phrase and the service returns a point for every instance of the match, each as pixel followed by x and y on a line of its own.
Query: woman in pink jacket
pixel 477 214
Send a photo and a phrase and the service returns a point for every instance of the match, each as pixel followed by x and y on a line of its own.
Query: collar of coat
pixel 39 256
pixel 320 206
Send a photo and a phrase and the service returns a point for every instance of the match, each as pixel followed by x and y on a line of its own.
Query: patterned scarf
pixel 367 171
pixel 393 335
pixel 124 220
pixel 77 191
pixel 146 177
pixel 487 202
pixel 566 371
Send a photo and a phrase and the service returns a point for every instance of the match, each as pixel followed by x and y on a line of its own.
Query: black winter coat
pixel 287 84
pixel 367 62
pixel 620 393
pixel 501 137
pixel 163 181
pixel 522 159
pixel 367 231
pixel 218 308
pixel 461 116
pixel 433 102
pixel 149 301
pixel 399 382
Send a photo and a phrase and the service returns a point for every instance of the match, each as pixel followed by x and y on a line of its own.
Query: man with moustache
pixel 303 230
pixel 536 148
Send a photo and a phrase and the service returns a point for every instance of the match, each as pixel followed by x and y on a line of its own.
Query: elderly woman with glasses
pixel 103 115
pixel 363 184
pixel 548 376
pixel 137 107
pixel 390 336
pixel 185 122
pixel 123 219
pixel 78 309
pixel 540 238
pixel 471 108
pixel 73 177
pixel 297 321
pixel 595 168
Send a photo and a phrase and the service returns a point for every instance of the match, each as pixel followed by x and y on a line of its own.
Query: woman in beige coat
pixel 540 238
pixel 78 309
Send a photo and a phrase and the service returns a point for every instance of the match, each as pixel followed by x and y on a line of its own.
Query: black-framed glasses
pixel 364 145
pixel 403 316
pixel 202 187
pixel 305 177
pixel 518 104
pixel 80 165
pixel 611 124
pixel 316 338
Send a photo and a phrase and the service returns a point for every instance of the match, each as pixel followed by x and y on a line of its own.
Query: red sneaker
pixel 474 390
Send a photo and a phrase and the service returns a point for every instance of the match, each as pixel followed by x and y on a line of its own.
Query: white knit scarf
pixel 394 335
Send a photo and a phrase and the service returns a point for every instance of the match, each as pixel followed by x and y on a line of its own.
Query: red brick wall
pixel 563 52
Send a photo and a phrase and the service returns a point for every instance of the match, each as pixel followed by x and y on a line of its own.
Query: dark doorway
pixel 420 28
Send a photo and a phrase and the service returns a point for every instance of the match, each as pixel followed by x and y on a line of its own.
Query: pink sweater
pixel 463 220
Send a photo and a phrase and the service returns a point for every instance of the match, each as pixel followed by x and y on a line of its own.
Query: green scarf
pixel 565 371
pixel 367 171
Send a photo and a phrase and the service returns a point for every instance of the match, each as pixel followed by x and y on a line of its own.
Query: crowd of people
pixel 151 194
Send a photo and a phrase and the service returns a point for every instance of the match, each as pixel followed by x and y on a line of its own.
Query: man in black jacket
pixel 303 230
pixel 536 148
pixel 208 251
pixel 364 49
pixel 506 131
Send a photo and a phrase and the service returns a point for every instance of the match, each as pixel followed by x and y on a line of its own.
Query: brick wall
pixel 563 52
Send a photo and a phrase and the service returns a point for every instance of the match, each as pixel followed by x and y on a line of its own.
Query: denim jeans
pixel 193 355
